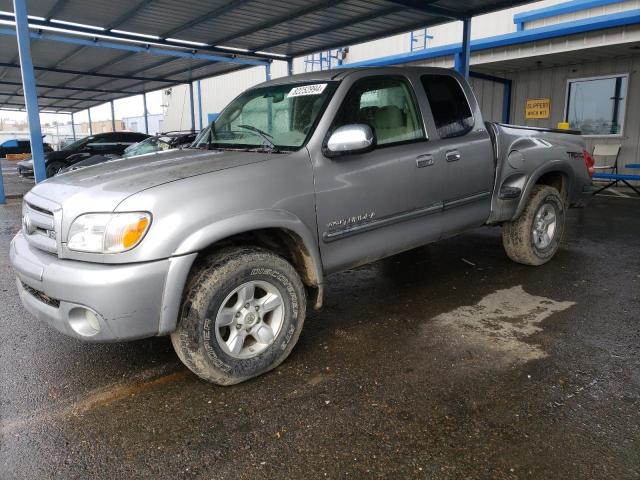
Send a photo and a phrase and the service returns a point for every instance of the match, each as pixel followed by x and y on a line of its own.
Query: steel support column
pixel 462 60
pixel 29 88
pixel 73 127
pixel 290 66
pixel 267 71
pixel 113 117
pixel 199 106
pixel 2 197
pixel 146 113
pixel 193 109
pixel 90 126
pixel 506 102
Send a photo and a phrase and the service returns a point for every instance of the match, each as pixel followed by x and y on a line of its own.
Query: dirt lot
pixel 446 362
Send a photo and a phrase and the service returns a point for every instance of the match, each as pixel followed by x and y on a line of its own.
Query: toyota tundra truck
pixel 223 245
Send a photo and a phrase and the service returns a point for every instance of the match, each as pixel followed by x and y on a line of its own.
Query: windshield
pixel 149 145
pixel 277 117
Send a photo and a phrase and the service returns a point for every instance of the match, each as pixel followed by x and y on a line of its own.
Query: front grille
pixel 52 302
pixel 39 227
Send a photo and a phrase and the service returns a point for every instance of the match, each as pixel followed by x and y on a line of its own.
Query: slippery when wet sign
pixel 537 108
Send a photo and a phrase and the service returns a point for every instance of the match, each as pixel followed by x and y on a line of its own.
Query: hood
pixel 48 156
pixel 102 187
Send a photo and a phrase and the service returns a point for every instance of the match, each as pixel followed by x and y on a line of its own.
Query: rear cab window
pixel 449 105
pixel 387 105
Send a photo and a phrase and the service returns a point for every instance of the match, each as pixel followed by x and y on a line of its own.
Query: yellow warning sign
pixel 537 108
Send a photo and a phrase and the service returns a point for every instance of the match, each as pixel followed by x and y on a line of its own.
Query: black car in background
pixel 18 146
pixel 100 144
pixel 157 143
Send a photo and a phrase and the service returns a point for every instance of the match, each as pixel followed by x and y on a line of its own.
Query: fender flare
pixel 249 221
pixel 560 166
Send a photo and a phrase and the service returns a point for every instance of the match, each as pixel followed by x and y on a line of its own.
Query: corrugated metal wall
pixel 552 83
pixel 489 95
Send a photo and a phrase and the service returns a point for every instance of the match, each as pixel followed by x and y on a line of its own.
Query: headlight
pixel 108 232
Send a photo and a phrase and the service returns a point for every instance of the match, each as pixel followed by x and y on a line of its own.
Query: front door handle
pixel 424 161
pixel 453 156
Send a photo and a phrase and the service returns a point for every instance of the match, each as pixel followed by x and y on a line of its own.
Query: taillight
pixel 588 161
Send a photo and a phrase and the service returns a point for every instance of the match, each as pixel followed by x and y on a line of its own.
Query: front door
pixel 368 205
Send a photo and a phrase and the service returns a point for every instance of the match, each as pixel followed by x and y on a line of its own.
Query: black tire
pixel 53 168
pixel 518 236
pixel 195 340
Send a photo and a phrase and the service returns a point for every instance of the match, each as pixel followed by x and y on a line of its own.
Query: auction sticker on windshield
pixel 316 89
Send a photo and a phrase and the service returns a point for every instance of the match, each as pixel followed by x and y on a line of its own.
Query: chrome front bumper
pixel 125 302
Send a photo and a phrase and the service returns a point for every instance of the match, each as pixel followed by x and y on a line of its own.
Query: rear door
pixel 464 147
pixel 367 204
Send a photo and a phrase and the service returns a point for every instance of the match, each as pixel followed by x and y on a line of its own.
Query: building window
pixel 596 106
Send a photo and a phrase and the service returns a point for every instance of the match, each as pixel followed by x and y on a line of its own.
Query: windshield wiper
pixel 265 136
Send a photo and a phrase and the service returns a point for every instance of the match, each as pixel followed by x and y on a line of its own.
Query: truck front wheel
pixel 534 237
pixel 242 315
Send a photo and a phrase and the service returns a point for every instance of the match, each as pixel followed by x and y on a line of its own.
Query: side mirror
pixel 356 138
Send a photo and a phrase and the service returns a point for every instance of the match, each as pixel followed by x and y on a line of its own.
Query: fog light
pixel 84 322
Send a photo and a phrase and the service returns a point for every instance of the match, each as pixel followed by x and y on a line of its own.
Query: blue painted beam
pixel 102 34
pixel 2 196
pixel 148 49
pixel 603 22
pixel 463 58
pixel 49 97
pixel 561 9
pixel 79 89
pixel 172 81
pixel 506 102
pixel 29 87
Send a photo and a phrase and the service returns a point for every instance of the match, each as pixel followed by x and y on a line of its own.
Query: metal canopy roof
pixel 125 47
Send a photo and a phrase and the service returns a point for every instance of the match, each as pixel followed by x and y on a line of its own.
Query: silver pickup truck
pixel 224 244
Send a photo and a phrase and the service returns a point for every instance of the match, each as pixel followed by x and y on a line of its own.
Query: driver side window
pixel 387 105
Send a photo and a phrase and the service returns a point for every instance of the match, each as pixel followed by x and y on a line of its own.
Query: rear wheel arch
pixel 553 174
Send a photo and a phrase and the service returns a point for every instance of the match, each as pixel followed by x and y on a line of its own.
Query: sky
pixel 124 107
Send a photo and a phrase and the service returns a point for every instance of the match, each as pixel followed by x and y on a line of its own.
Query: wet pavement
pixel 449 361
pixel 14 185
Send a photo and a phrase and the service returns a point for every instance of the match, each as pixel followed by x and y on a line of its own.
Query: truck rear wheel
pixel 242 315
pixel 534 237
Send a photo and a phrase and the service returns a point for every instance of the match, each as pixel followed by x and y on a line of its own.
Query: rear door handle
pixel 424 160
pixel 453 156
